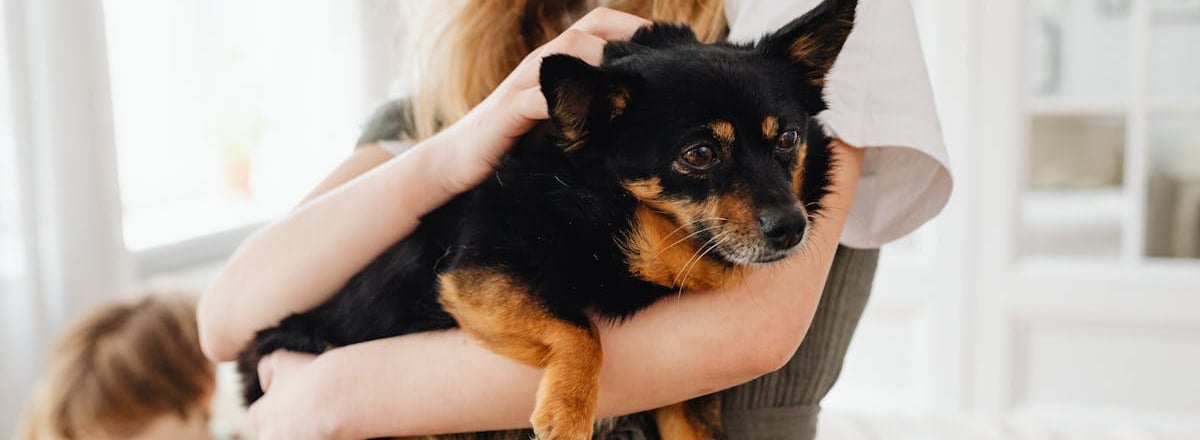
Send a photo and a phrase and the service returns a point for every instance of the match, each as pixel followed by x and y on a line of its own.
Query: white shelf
pixel 1076 222
pixel 1075 107
pixel 1074 206
pixel 1174 107
pixel 1043 106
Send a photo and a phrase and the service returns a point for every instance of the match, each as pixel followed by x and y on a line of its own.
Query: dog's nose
pixel 783 228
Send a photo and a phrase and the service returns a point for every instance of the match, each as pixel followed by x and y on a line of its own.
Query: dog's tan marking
pixel 662 252
pixel 673 424
pixel 570 119
pixel 734 207
pixel 804 47
pixel 738 227
pixel 500 312
pixel 696 419
pixel 798 172
pixel 813 50
pixel 619 99
pixel 770 128
pixel 723 131
pixel 644 190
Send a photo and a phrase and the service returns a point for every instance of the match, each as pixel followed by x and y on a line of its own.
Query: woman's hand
pixel 289 408
pixel 491 128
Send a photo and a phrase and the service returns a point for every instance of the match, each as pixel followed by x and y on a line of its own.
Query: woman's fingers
pixel 610 24
pixel 265 371
pixel 531 104
pixel 584 40
pixel 576 43
pixel 280 363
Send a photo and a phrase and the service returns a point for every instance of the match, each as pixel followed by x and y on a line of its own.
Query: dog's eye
pixel 700 157
pixel 788 140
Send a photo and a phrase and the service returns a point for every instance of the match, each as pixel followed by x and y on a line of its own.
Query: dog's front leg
pixel 504 314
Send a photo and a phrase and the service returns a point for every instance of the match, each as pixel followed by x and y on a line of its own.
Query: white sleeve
pixel 879 98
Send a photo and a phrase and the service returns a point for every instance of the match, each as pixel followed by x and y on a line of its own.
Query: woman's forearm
pixel 296 263
pixel 680 347
pixel 432 383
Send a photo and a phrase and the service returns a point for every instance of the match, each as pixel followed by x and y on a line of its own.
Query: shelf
pixel 1176 107
pixel 1075 107
pixel 1074 207
pixel 1076 222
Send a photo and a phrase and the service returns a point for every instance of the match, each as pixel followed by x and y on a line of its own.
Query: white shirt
pixel 880 99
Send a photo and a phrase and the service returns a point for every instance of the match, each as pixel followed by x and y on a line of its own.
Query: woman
pixel 891 165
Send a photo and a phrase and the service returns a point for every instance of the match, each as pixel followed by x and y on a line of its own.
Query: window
pixel 227 112
pixel 11 243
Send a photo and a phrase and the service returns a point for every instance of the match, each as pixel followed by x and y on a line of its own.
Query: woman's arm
pixel 298 262
pixel 678 348
pixel 295 264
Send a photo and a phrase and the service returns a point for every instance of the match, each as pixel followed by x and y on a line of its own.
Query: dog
pixel 673 166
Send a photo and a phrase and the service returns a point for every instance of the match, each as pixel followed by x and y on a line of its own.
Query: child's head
pixel 127 370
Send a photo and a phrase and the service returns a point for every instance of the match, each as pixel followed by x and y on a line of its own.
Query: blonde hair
pixel 118 369
pixel 459 59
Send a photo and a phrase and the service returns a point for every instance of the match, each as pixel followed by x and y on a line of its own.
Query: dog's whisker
pixel 719 242
pixel 693 222
pixel 682 227
pixel 694 257
pixel 668 236
pixel 677 242
pixel 691 264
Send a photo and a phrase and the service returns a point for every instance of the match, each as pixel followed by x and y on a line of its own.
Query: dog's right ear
pixel 582 98
pixel 812 44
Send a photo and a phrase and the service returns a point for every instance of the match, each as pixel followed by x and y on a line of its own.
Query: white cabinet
pixel 1063 282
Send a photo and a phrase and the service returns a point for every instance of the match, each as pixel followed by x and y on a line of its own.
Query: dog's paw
pixel 558 422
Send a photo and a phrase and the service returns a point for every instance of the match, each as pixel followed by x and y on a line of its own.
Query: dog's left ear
pixel 812 43
pixel 582 98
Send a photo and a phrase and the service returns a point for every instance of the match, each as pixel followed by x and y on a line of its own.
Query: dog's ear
pixel 663 34
pixel 812 43
pixel 582 98
pixel 656 35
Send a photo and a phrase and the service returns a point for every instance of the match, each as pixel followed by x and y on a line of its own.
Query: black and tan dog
pixel 672 167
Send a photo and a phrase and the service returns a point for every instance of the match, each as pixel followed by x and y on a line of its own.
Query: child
pixel 130 370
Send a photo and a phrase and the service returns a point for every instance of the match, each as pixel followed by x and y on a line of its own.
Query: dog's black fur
pixel 668 131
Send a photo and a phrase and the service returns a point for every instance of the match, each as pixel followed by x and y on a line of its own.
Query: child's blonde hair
pixel 119 368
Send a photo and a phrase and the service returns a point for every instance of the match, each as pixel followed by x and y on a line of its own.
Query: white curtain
pixel 61 250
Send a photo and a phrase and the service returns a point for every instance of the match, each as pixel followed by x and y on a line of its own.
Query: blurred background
pixel 1057 296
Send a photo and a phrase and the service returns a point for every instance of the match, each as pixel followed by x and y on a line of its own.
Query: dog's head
pixel 713 137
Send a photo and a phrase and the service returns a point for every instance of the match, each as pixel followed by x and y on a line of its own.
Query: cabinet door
pixel 1087 295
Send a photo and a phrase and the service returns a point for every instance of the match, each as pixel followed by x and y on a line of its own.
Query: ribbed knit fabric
pixel 392 121
pixel 783 405
pixel 779 406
